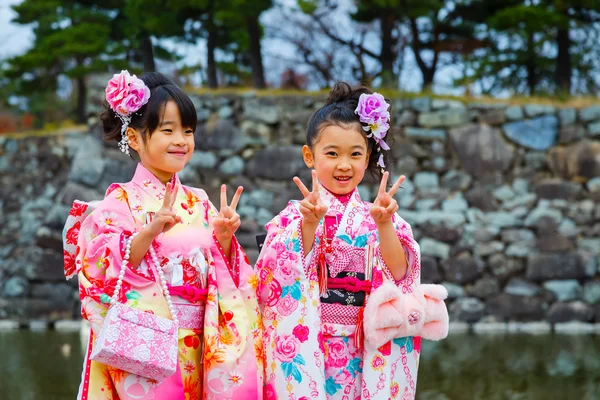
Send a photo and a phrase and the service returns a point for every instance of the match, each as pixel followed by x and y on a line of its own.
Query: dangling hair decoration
pixel 125 95
pixel 373 111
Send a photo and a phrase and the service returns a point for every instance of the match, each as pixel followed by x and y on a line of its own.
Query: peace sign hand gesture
pixel 385 205
pixel 228 220
pixel 165 218
pixel 311 208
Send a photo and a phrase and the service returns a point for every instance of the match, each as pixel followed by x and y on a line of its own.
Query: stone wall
pixel 502 199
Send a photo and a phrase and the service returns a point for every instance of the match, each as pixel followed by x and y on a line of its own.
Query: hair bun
pixel 339 93
pixel 344 93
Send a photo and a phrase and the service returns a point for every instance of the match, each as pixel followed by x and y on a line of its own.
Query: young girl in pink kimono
pixel 210 282
pixel 333 263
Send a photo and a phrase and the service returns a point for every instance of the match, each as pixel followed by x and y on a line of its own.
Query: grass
pixel 558 102
pixel 46 132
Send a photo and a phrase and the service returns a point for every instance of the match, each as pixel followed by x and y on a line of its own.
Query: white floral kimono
pixel 309 340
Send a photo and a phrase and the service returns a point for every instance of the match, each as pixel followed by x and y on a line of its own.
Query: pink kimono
pixel 220 330
pixel 309 339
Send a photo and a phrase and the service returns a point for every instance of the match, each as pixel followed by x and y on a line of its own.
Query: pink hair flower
pixel 126 93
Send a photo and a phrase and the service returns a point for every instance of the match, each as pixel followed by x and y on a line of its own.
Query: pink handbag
pixel 136 341
pixel 391 314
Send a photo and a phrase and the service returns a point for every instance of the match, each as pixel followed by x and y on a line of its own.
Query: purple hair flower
pixel 372 110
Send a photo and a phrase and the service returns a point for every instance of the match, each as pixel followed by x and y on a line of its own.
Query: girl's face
pixel 340 157
pixel 168 149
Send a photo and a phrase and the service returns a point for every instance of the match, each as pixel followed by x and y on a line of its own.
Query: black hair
pixel 339 110
pixel 147 118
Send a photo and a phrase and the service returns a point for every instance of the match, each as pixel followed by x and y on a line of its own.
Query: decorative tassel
pixel 322 275
pixel 359 333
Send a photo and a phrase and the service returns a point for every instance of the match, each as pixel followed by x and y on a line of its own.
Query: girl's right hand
pixel 165 218
pixel 311 208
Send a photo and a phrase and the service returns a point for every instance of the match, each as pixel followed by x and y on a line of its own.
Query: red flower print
pixel 192 341
pixel 73 233
pixel 301 332
pixel 78 209
pixel 69 263
pixel 228 315
pixel 274 293
pixel 189 367
pixel 386 349
pixel 190 276
pixel 109 289
pixel 321 342
pixel 100 287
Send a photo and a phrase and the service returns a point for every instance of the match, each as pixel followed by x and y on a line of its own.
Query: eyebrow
pixel 334 147
pixel 166 123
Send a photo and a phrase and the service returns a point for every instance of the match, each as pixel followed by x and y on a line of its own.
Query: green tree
pixel 571 15
pixel 386 13
pixel 252 9
pixel 71 39
pixel 430 27
pixel 533 50
pixel 143 27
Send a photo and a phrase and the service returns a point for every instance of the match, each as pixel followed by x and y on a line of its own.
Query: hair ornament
pixel 373 111
pixel 125 95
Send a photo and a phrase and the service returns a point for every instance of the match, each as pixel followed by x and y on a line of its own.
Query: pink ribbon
pixel 189 293
pixel 341 256
pixel 350 284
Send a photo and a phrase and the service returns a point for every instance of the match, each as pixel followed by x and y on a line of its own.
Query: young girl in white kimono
pixel 333 263
pixel 151 232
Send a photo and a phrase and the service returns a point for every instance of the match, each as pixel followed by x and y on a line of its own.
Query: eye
pixel 167 130
pixel 189 132
pixel 356 154
pixel 331 153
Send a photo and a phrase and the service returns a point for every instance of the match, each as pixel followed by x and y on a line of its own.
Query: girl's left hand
pixel 228 220
pixel 385 206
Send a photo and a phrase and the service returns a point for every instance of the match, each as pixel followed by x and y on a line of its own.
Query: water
pixel 33 365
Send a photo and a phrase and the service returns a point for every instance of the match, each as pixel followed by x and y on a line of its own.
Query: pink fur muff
pixel 390 314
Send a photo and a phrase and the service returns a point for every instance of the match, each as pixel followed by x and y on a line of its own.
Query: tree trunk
pixel 147 53
pixel 428 75
pixel 387 55
pixel 258 74
pixel 530 65
pixel 563 61
pixel 81 100
pixel 211 65
pixel 427 72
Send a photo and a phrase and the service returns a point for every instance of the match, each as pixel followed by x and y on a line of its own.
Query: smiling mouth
pixel 343 178
pixel 178 153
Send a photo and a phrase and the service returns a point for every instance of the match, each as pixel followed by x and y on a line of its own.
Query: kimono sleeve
pixel 101 245
pixel 283 245
pixel 412 251
pixel 238 259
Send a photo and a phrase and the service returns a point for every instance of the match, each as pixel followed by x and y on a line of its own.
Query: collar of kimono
pixel 151 184
pixel 343 198
pixel 336 204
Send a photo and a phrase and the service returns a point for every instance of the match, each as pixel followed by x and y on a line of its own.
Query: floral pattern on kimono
pixel 192 261
pixel 309 344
